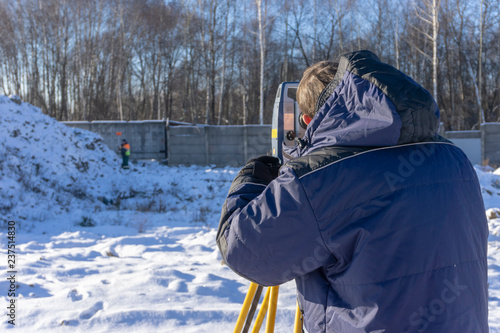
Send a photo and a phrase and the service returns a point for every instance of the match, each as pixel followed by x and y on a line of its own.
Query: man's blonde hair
pixel 314 80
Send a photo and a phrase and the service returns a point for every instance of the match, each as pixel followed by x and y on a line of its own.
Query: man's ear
pixel 304 120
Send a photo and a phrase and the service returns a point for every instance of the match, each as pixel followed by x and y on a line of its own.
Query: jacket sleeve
pixel 269 234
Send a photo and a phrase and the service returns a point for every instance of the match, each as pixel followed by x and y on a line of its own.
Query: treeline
pixel 220 61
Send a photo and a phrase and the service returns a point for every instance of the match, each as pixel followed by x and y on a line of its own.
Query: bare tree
pixel 224 53
pixel 428 13
pixel 221 61
pixel 262 46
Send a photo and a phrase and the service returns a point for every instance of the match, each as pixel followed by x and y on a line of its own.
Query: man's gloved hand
pixel 265 168
pixel 261 170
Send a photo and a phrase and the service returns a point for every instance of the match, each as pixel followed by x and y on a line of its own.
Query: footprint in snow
pixel 69 323
pixel 89 313
pixel 74 295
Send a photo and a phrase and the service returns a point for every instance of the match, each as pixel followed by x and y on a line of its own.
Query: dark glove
pixel 265 168
pixel 260 170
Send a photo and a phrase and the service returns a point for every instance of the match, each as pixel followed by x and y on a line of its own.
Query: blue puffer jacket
pixel 380 222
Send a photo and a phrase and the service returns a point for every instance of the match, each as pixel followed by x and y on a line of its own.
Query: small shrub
pixel 174 209
pixel 200 216
pixel 15 133
pixel 145 206
pixel 6 206
pixel 78 193
pixel 87 222
pixel 162 206
pixel 141 225
pixel 81 166
pixel 117 202
pixel 37 168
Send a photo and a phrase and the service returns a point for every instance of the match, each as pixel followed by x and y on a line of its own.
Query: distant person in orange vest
pixel 125 151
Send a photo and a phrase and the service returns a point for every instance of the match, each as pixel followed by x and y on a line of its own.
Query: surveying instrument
pixel 287 126
pixel 288 121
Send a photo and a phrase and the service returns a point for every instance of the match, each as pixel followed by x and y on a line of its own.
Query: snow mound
pixel 490 186
pixel 43 161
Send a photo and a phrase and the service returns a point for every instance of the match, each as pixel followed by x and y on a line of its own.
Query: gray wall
pixel 469 142
pixel 217 145
pixel 482 145
pixel 187 145
pixel 234 145
pixel 146 138
pixel 490 137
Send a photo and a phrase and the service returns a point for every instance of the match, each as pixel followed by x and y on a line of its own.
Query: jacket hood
pixel 370 103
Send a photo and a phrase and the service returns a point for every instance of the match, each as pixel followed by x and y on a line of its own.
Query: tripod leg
pixel 262 312
pixel 246 306
pixel 299 320
pixel 273 304
pixel 253 308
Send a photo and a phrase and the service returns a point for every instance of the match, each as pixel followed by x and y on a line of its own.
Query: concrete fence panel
pixel 469 142
pixel 107 130
pixel 490 136
pixel 217 145
pixel 147 138
pixel 186 145
pixel 234 145
pixel 86 125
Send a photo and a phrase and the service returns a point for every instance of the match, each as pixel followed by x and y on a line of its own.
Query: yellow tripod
pixel 269 305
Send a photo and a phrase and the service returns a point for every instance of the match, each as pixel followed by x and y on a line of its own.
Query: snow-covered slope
pixel 45 165
pixel 48 169
pixel 145 262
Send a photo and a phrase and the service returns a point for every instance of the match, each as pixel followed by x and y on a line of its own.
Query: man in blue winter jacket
pixel 379 220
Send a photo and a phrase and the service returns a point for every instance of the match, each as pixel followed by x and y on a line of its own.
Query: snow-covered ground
pixel 105 250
